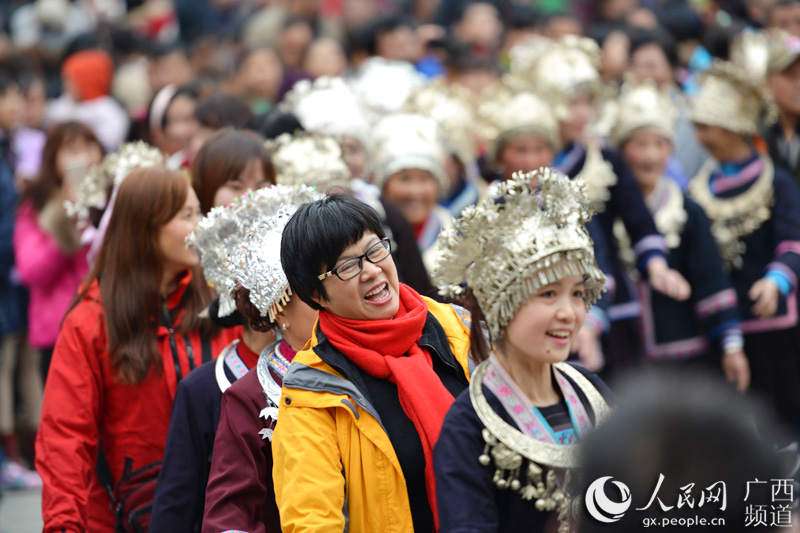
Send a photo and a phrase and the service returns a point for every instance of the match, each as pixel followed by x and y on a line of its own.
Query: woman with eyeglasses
pixel 363 404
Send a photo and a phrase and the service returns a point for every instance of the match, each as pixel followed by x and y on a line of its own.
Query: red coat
pixel 84 402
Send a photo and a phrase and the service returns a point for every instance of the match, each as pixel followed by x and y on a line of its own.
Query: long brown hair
pixel 479 349
pixel 129 271
pixel 49 179
pixel 222 159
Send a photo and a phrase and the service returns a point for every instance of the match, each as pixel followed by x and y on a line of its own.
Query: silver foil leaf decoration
pixel 225 230
pixel 256 263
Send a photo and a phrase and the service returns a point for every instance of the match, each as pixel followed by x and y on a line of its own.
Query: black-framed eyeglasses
pixel 352 267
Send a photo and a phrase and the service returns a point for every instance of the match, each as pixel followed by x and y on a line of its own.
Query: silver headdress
pixel 729 97
pixel 784 50
pixel 383 86
pixel 555 70
pixel 256 263
pixel 505 252
pixel 95 189
pixel 223 230
pixel 505 114
pixel 309 159
pixel 405 141
pixel 761 53
pixel 643 105
pixel 751 51
pixel 452 108
pixel 328 106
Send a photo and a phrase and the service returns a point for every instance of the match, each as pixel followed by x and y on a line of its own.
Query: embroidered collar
pixel 597 173
pixel 736 217
pixel 729 176
pixel 507 446
pixel 219 366
pixel 666 205
pixel 568 159
pixel 524 413
pixel 271 361
pixel 429 231
pixel 248 356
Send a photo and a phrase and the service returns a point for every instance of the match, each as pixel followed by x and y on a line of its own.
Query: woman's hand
pixel 766 296
pixel 737 369
pixel 587 345
pixel 667 281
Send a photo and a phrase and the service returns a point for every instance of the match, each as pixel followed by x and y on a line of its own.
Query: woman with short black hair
pixel 319 234
pixel 363 404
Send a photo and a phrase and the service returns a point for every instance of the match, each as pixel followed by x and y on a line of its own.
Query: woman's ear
pixel 319 300
pixel 281 321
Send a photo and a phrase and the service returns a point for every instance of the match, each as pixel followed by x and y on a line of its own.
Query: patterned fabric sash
pixel 566 161
pixel 430 231
pixel 277 361
pixel 235 363
pixel 524 413
pixel 722 182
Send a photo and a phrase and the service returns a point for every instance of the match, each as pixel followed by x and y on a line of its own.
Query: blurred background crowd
pixel 78 78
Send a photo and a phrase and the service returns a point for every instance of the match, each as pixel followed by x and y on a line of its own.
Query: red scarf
pixel 388 349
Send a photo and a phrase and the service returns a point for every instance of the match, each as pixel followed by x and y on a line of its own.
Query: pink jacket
pixel 51 275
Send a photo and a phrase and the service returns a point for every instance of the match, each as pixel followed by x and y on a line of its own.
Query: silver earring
pixel 283 327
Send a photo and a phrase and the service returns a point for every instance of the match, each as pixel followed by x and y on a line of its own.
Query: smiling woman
pixel 362 405
pixel 409 162
pixel 230 164
pixel 525 407
pixel 130 337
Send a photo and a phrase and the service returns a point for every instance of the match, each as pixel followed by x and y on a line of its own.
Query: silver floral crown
pixel 556 70
pixel 640 105
pixel 309 159
pixel 733 99
pixel 223 231
pixel 256 263
pixel 505 249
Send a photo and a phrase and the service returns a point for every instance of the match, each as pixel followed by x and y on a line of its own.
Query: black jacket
pixel 468 499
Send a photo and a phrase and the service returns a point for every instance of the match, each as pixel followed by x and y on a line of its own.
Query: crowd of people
pixel 318 265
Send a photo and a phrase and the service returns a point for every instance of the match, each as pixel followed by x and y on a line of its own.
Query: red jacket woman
pixel 132 334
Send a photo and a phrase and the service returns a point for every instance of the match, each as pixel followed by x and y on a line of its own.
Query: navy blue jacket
pixel 13 296
pixel 468 500
pixel 675 329
pixel 763 246
pixel 181 488
pixel 625 202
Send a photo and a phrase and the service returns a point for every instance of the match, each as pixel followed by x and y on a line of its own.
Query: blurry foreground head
pixel 702 437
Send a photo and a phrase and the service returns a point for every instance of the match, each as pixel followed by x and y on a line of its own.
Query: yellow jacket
pixel 334 467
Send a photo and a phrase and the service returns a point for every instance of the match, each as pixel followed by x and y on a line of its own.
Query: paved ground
pixel 21 512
